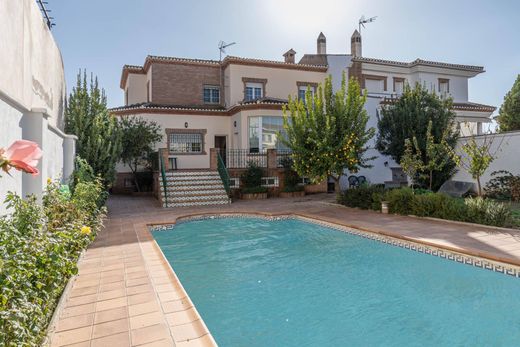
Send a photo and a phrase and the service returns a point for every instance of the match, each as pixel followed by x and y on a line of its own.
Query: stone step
pixel 197 198
pixel 192 174
pixel 193 179
pixel 193 183
pixel 196 192
pixel 197 203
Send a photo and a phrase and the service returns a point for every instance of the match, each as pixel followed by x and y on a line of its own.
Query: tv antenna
pixel 222 48
pixel 363 21
pixel 45 12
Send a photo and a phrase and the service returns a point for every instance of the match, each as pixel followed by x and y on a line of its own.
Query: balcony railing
pixel 240 158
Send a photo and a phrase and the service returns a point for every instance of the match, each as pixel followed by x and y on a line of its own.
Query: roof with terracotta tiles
pixel 459 106
pixel 419 62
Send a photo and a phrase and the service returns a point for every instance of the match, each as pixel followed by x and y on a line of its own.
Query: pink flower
pixel 22 155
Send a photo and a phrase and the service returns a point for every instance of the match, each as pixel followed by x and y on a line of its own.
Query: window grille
pixel 186 143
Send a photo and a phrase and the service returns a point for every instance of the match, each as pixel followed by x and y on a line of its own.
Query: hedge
pixel 406 201
pixel 39 248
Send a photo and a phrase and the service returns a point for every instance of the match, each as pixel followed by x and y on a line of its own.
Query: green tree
pixel 418 165
pixel 409 117
pixel 509 114
pixel 474 157
pixel 139 139
pixel 328 132
pixel 99 136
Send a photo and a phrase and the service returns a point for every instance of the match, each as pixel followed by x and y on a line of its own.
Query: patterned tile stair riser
pixel 194 188
pixel 507 269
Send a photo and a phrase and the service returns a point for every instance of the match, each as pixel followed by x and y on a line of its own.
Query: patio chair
pixel 353 181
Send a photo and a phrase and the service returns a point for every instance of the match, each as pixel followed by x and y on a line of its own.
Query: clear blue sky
pixel 103 35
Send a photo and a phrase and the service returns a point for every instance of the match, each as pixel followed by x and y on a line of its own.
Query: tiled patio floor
pixel 126 295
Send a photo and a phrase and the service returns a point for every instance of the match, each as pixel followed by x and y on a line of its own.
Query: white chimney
pixel 355 44
pixel 322 44
pixel 289 56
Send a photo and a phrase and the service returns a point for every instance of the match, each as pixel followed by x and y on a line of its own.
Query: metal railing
pixel 223 172
pixel 283 157
pixel 240 158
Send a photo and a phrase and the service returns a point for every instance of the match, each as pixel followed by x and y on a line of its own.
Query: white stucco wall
pixel 337 64
pixel 505 148
pixel 10 131
pixel 281 82
pixel 32 71
pixel 215 125
pixel 32 96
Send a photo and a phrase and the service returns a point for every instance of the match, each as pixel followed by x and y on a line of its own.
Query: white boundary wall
pixel 32 97
pixel 506 149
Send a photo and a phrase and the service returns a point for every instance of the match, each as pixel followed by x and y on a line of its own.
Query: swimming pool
pixel 288 282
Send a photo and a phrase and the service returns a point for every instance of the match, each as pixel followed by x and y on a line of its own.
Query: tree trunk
pixel 478 186
pixel 337 188
pixel 431 179
pixel 134 173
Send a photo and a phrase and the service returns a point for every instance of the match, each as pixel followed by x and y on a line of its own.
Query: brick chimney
pixel 289 56
pixel 322 44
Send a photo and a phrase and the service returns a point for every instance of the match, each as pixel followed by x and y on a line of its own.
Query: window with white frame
pixel 186 143
pixel 211 94
pixel 444 86
pixel 253 91
pixel 302 91
pixel 398 85
pixel 264 132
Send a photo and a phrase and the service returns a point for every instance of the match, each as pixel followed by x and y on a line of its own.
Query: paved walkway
pixel 126 295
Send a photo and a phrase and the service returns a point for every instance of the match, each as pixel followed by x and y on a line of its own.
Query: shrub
pixel 39 248
pixel 438 205
pixel 503 186
pixel 364 197
pixel 400 201
pixel 252 177
pixel 291 179
pixel 487 211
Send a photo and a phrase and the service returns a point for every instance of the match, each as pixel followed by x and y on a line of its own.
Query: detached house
pixel 235 105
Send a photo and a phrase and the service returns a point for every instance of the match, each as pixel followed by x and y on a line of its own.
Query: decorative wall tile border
pixel 482 263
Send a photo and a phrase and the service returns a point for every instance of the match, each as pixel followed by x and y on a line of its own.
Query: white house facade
pixel 236 104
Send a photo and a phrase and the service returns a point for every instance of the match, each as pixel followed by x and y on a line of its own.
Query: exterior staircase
pixel 193 188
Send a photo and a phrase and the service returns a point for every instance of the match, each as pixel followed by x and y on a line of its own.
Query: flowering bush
pixel 39 248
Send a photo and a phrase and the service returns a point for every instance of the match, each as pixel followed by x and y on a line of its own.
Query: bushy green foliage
pixel 509 115
pixel 39 248
pixel 291 179
pixel 487 211
pixel 409 117
pixel 252 177
pixel 367 197
pixel 139 139
pixel 474 210
pixel 503 186
pixel 99 136
pixel 328 132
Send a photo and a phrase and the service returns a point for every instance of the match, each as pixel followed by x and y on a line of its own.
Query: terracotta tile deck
pixel 126 294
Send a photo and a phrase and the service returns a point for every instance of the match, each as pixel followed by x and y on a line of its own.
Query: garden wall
pixel 32 96
pixel 506 149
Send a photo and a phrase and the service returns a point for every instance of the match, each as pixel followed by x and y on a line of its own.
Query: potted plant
pixel 291 181
pixel 252 183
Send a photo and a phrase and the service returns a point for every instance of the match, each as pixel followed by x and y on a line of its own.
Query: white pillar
pixel 34 128
pixel 69 153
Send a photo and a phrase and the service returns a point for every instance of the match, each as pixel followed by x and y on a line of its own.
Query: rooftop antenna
pixel 363 21
pixel 222 48
pixel 45 12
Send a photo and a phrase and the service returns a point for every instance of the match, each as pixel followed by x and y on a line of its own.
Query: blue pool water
pixel 293 283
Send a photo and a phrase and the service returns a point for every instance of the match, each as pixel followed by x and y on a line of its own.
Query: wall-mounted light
pixel 186 125
pixel 386 164
pixel 235 123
